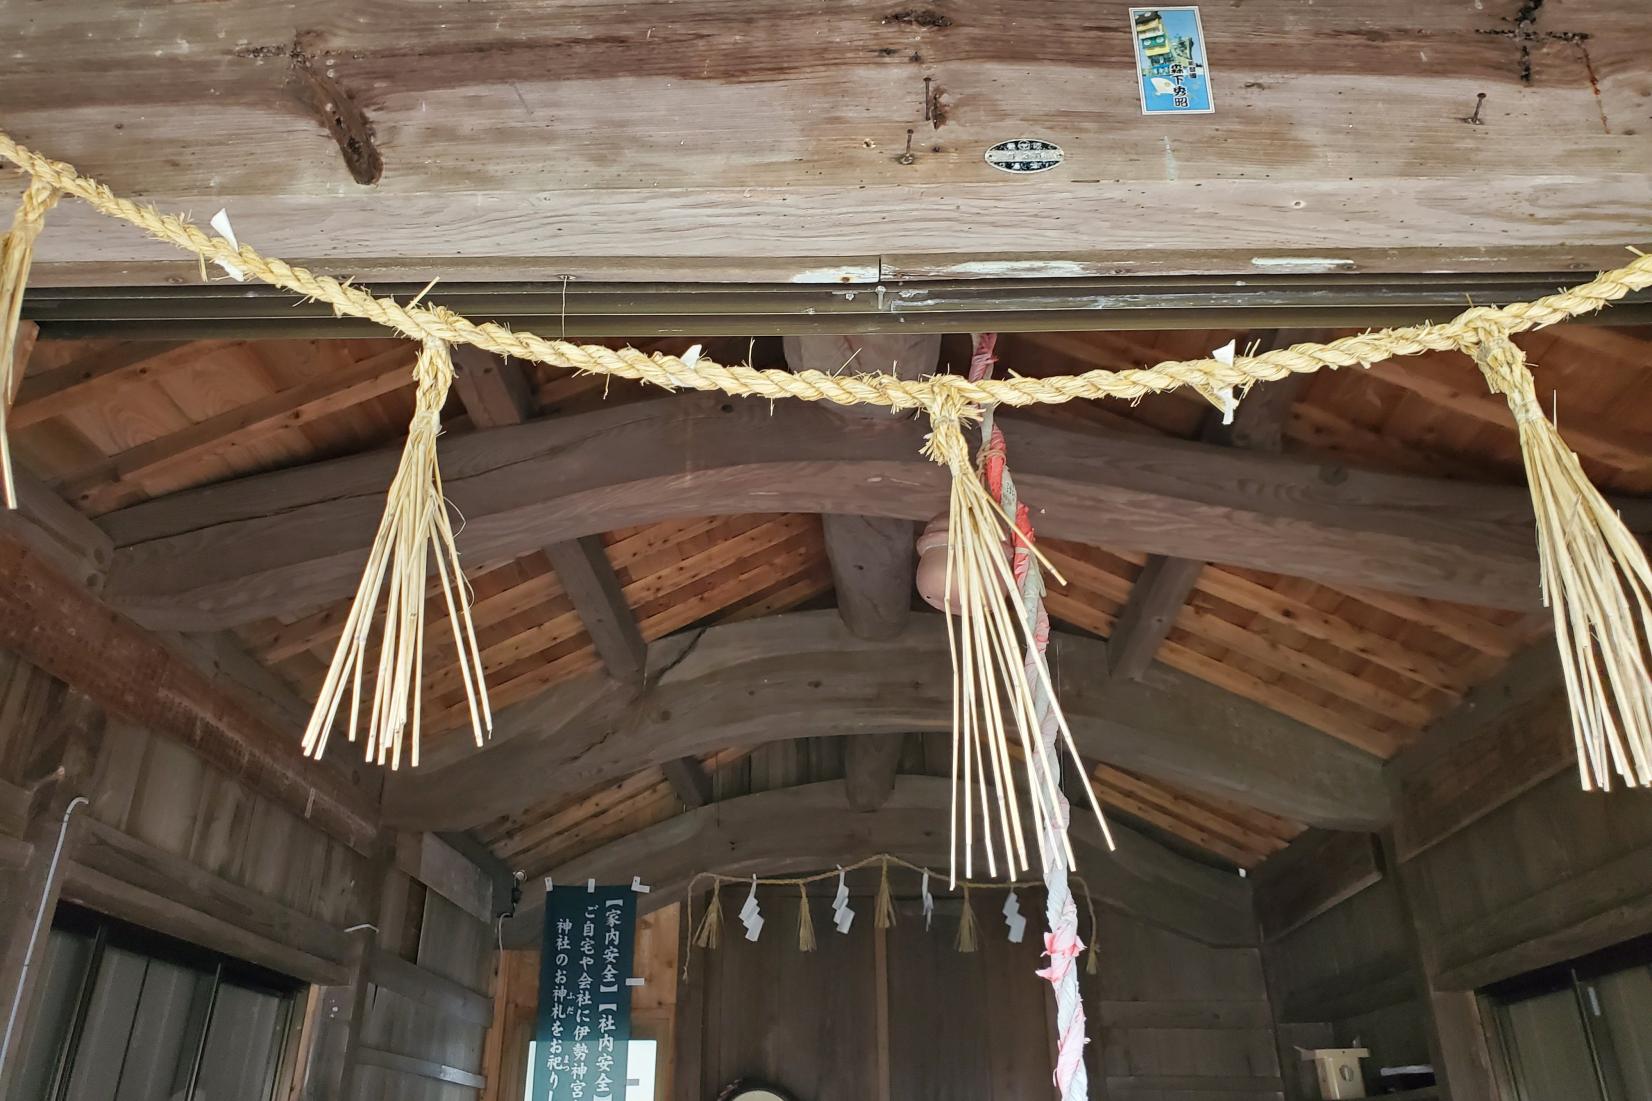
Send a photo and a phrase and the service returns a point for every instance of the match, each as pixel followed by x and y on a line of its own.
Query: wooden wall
pixel 1498 864
pixel 900 1013
pixel 1173 1020
pixel 169 842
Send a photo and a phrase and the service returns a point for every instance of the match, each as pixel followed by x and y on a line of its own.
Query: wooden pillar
pixel 337 1016
pixel 58 768
pixel 1458 1045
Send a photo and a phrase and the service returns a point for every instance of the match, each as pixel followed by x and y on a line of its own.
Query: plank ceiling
pixel 111 424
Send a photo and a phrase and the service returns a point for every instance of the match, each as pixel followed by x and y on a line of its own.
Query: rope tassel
pixel 16 254
pixel 415 527
pixel 1596 580
pixel 805 921
pixel 968 931
pixel 996 668
pixel 884 910
pixel 710 932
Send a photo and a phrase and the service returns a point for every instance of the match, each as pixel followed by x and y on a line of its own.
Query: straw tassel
pixel 415 528
pixel 996 665
pixel 968 931
pixel 884 915
pixel 710 932
pixel 16 253
pixel 805 921
pixel 1595 578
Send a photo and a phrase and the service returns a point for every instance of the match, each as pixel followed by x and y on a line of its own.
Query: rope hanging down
pixel 1594 573
pixel 1061 943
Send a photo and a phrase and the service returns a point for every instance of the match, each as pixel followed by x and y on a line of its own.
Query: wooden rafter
pixel 1166 582
pixel 496 393
pixel 784 677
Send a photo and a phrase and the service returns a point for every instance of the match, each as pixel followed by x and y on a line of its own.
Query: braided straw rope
pixel 1587 554
pixel 425 323
pixel 16 250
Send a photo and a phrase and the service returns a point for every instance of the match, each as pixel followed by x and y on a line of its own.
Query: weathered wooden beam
pixel 1165 583
pixel 426 987
pixel 442 868
pixel 803 674
pixel 500 874
pixel 1313 874
pixel 836 196
pixel 873 558
pixel 57 625
pixel 129 879
pixel 1156 599
pixel 873 569
pixel 73 544
pixel 494 391
pixel 870 762
pixel 290 541
pixel 812 827
pixel 587 576
pixel 689 780
pixel 419 1068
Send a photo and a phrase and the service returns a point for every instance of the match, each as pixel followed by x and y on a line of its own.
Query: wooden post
pixel 1457 1040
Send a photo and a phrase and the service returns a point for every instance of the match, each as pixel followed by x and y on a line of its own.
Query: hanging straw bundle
pixel 884 910
pixel 990 648
pixel 968 932
pixel 16 253
pixel 805 920
pixel 415 524
pixel 1595 578
pixel 710 932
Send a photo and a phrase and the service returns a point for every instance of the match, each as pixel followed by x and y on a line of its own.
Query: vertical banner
pixel 584 999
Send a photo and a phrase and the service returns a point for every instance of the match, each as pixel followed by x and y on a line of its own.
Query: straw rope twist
pixel 433 322
pixel 16 252
pixel 1587 555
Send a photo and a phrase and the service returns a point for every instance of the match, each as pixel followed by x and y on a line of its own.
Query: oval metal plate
pixel 1024 155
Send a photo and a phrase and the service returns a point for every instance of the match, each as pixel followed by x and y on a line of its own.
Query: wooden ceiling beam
pixel 803 674
pixel 1165 583
pixel 870 765
pixel 588 578
pixel 290 541
pixel 484 191
pixel 689 780
pixel 810 827
pixel 496 393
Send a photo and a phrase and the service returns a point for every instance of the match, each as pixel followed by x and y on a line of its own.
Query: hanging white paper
pixel 220 222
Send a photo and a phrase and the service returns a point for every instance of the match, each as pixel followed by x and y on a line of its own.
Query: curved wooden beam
pixel 811 827
pixel 293 540
pixel 804 674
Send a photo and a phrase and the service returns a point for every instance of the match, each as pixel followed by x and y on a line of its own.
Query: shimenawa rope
pixel 1594 572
